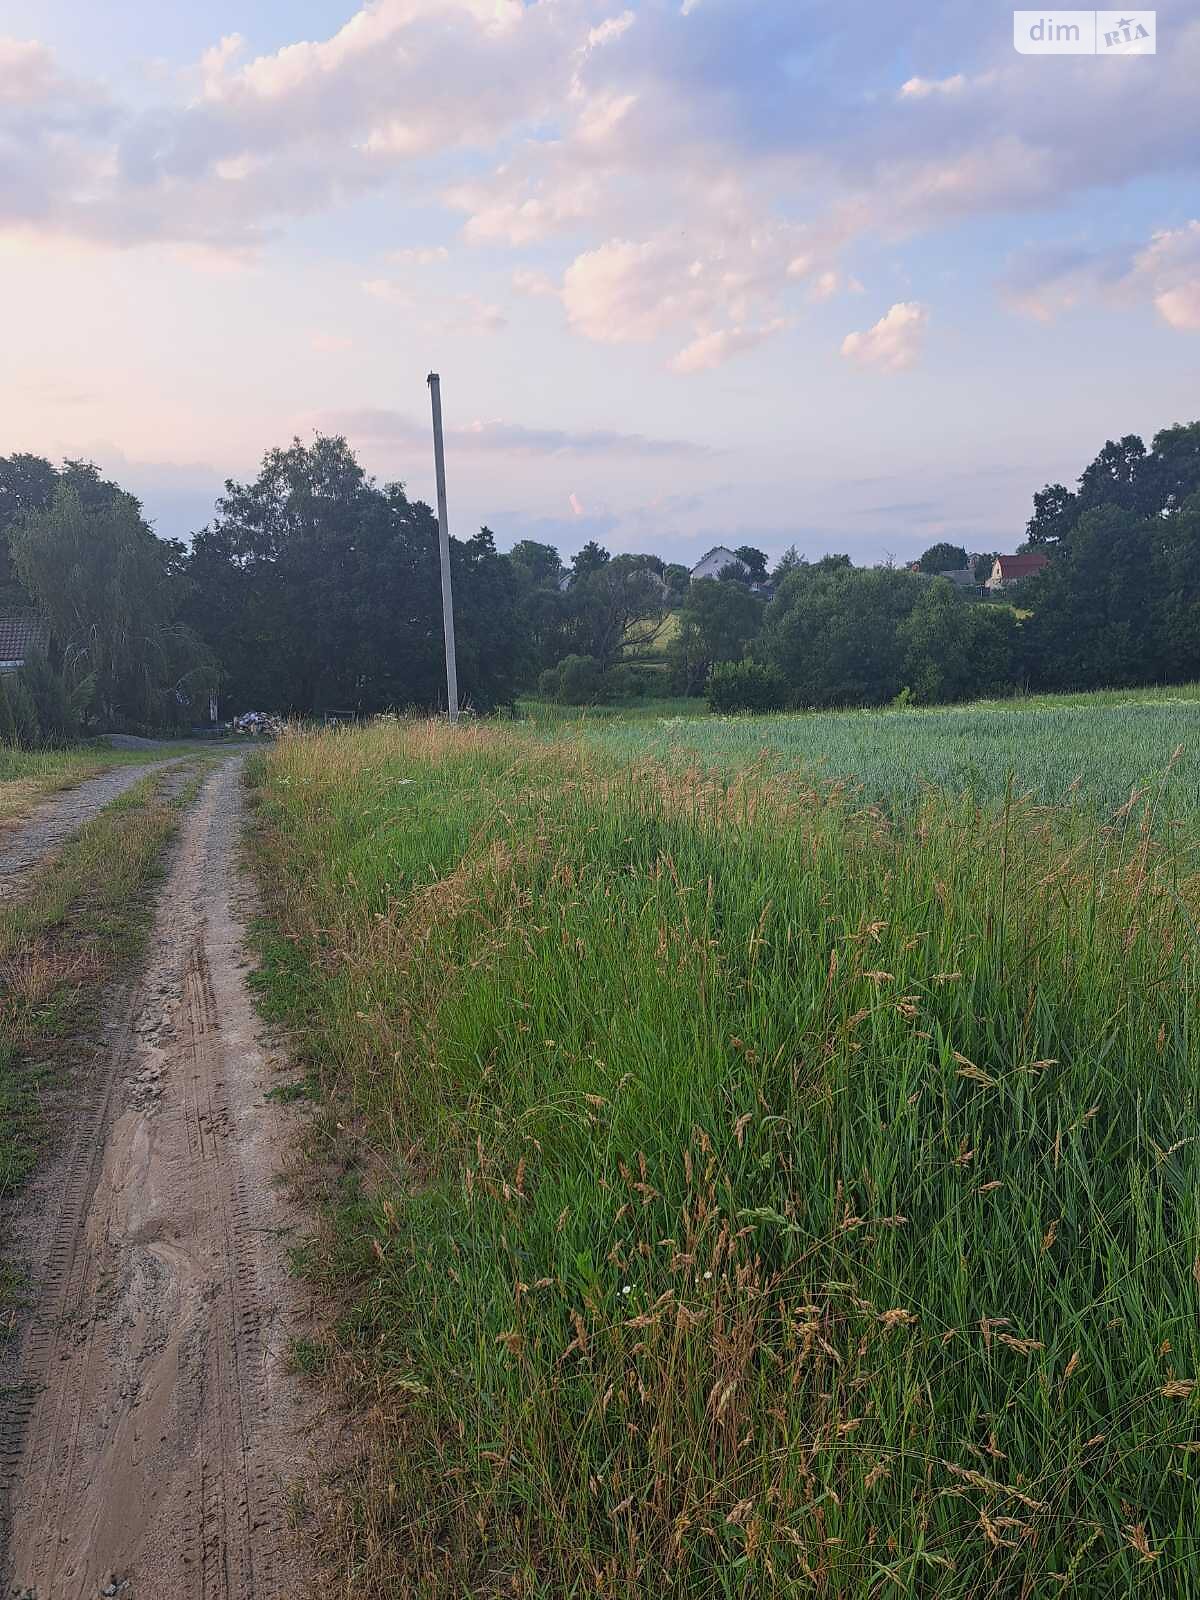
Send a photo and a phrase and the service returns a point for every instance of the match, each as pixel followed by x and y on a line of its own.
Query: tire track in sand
pixel 149 1435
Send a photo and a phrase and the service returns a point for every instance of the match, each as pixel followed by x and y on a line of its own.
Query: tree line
pixel 315 589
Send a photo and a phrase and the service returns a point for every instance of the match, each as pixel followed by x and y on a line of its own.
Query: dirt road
pixel 150 1436
pixel 29 841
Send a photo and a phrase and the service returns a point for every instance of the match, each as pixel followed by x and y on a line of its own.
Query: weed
pixel 741 1185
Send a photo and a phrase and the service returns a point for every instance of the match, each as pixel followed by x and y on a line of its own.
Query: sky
pixel 853 276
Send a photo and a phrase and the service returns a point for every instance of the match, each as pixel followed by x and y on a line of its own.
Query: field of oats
pixel 735 1182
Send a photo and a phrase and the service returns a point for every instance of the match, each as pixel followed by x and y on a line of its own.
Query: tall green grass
pixel 27 776
pixel 1098 747
pixel 736 1188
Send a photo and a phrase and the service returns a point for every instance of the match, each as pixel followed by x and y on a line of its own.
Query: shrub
pixel 8 727
pixel 575 681
pixel 629 681
pixel 745 686
pixel 24 712
pixel 57 713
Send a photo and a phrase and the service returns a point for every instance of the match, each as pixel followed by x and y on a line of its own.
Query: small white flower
pixel 628 1289
pixel 707 1276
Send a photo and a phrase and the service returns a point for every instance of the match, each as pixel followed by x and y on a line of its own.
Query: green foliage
pixel 590 559
pixel 832 631
pixel 983 567
pixel 575 681
pixel 954 650
pixel 1119 602
pixel 716 623
pixel 319 590
pixel 943 558
pixel 788 562
pixel 754 563
pixel 23 711
pixel 745 686
pixel 57 704
pixel 1048 747
pixel 8 724
pixel 778 1158
pixel 111 592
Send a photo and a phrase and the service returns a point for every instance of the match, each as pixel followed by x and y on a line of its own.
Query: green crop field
pixel 756 1158
pixel 1096 747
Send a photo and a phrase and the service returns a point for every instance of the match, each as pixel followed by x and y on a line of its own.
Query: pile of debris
pixel 259 724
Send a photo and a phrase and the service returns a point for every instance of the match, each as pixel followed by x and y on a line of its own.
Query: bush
pixel 8 727
pixel 24 712
pixel 575 681
pixel 745 686
pixel 631 682
pixel 57 713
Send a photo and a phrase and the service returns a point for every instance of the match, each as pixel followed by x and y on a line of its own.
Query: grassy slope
pixel 765 1196
pixel 84 917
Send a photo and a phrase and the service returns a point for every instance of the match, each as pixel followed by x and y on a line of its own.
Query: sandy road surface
pixel 148 1431
pixel 50 824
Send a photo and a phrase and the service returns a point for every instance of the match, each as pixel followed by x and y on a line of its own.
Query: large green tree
pixel 320 590
pixel 943 557
pixel 954 650
pixel 1117 602
pixel 615 606
pixel 716 622
pixel 832 631
pixel 113 594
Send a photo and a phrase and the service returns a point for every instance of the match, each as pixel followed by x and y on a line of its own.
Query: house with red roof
pixel 1011 569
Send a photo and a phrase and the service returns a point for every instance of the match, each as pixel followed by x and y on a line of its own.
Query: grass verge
pixel 28 776
pixel 83 918
pixel 733 1189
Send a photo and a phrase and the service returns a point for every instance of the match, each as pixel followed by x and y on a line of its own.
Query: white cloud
pixel 611 28
pixel 421 257
pixel 1169 267
pixel 714 349
pixel 507 438
pixel 894 342
pixel 540 285
pixel 922 88
pixel 328 344
pixel 1046 284
pixel 714 292
pixel 387 289
pixel 576 505
pixel 27 72
pixel 475 316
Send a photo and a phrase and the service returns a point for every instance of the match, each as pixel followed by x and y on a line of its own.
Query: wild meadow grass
pixel 1096 747
pixel 28 776
pixel 734 1186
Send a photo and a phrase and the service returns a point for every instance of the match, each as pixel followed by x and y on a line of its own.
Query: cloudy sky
pixel 853 275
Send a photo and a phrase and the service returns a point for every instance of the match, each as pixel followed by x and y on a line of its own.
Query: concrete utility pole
pixel 439 461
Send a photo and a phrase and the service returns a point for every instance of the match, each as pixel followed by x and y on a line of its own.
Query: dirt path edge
pixel 151 1433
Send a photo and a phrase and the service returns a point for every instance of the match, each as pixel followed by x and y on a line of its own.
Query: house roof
pixel 962 577
pixel 1013 567
pixel 717 550
pixel 21 632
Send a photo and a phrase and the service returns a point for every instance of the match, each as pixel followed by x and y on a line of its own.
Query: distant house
pixel 21 633
pixel 961 578
pixel 1011 569
pixel 714 563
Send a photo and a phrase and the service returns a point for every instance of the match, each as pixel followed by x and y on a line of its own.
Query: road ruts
pixel 25 845
pixel 151 1433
